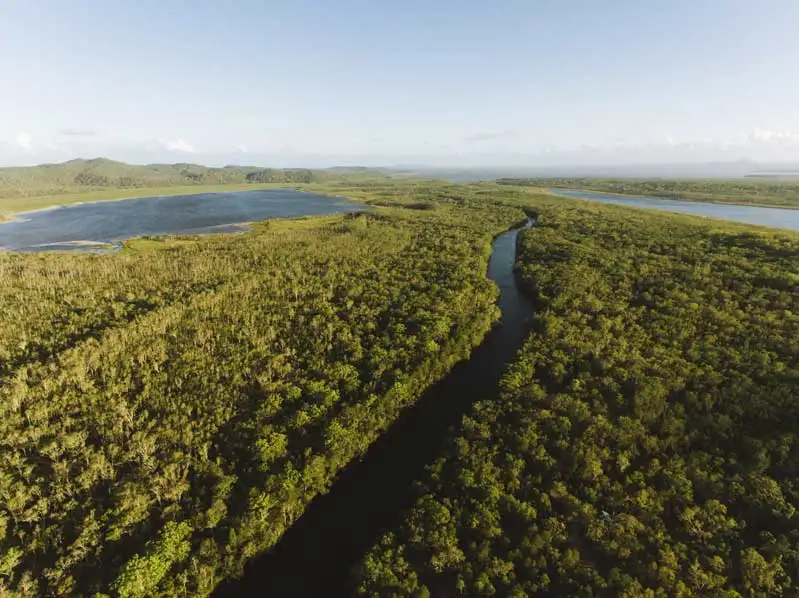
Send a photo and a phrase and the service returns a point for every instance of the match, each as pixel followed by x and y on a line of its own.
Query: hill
pixel 100 173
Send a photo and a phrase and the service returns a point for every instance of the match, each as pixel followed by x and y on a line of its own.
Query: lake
pixel 105 222
pixel 772 217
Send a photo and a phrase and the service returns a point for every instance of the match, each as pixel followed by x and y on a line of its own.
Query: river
pixel 771 217
pixel 315 556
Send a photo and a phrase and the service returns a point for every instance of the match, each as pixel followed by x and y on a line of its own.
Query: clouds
pixel 176 145
pixel 758 144
pixel 24 140
pixel 37 146
pixel 495 136
pixel 28 145
pixel 766 136
pixel 77 132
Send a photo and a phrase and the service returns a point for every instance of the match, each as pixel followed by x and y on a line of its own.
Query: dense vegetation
pixel 166 414
pixel 784 194
pixel 645 441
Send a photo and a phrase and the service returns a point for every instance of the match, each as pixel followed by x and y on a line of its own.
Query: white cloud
pixel 242 148
pixel 77 132
pixel 177 145
pixel 24 140
pixel 493 136
pixel 767 136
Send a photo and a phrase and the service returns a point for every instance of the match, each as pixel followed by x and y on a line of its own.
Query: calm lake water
pixel 109 221
pixel 773 217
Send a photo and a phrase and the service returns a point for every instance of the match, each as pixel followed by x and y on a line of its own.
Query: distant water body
pixel 772 217
pixel 106 222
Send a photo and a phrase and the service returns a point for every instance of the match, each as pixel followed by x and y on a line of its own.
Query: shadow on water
pixel 316 555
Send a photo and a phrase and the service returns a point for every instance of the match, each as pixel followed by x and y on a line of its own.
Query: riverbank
pixel 771 217
pixel 659 380
pixel 714 200
pixel 263 364
pixel 370 495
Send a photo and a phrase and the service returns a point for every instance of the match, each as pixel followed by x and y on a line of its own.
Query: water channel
pixel 315 556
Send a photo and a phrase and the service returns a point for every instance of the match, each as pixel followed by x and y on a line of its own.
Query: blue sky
pixel 450 82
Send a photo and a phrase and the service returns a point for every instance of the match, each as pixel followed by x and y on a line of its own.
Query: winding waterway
pixel 315 556
pixel 771 217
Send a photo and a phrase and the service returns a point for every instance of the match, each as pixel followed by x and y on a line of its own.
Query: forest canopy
pixel 168 411
pixel 644 443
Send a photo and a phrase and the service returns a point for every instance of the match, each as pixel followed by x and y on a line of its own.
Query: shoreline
pixel 659 197
pixel 113 195
pixel 679 210
pixel 117 245
pixel 18 216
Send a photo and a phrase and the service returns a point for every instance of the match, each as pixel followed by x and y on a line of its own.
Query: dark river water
pixel 315 556
pixel 108 221
pixel 772 217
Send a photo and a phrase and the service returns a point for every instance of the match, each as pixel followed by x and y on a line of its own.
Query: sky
pixel 422 82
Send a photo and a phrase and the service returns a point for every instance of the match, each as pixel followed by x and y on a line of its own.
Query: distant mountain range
pixel 80 175
pixel 101 173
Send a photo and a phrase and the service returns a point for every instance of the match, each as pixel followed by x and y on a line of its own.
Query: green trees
pixel 272 175
pixel 644 442
pixel 82 175
pixel 165 414
pixel 142 573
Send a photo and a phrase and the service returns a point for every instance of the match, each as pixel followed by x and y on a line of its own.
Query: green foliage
pixel 272 175
pixel 220 382
pixel 141 574
pixel 783 194
pixel 644 442
pixel 82 175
